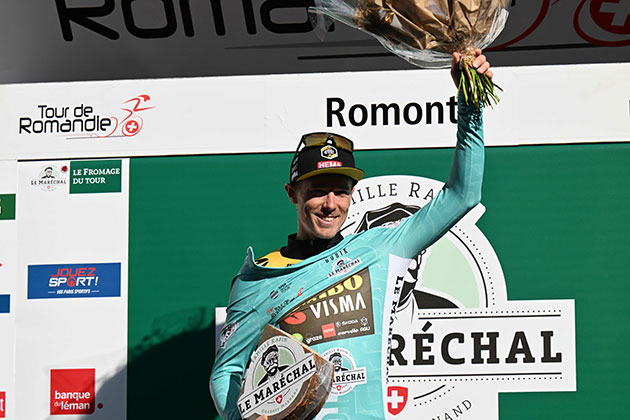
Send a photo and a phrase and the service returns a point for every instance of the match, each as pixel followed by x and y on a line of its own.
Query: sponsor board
pixel 95 176
pixel 50 281
pixel 50 177
pixel 343 310
pixel 7 206
pixel 456 342
pixel 72 391
pixel 347 374
pixel 5 304
pixel 3 404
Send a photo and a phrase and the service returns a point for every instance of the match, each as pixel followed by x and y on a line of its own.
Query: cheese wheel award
pixel 284 379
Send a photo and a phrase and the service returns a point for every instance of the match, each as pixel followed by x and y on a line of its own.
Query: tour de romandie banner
pixel 126 209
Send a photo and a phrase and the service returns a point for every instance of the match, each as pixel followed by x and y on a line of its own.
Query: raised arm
pixel 462 190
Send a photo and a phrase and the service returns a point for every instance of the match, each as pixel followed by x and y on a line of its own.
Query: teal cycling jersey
pixel 341 301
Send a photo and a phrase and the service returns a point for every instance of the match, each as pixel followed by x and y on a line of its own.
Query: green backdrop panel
pixel 556 217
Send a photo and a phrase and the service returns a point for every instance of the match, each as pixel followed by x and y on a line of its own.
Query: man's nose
pixel 330 200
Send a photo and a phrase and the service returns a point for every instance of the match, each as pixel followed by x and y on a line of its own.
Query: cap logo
pixel 329 152
pixel 329 164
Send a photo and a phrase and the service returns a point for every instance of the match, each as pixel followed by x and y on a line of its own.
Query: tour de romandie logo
pixel 456 340
pixel 84 121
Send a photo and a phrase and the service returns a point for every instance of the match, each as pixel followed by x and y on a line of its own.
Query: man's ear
pixel 291 192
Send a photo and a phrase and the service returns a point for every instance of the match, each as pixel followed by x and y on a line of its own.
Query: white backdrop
pixel 268 113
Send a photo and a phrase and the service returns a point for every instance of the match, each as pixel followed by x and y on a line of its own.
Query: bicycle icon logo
pixel 132 123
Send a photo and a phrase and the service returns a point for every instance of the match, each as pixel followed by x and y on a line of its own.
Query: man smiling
pixel 323 175
pixel 335 292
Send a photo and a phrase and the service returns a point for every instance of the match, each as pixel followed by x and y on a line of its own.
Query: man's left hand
pixel 481 64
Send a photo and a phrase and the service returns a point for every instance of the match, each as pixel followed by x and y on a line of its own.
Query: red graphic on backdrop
pixel 396 399
pixel 603 22
pixel 544 7
pixel 131 123
pixel 612 16
pixel 600 22
pixel 72 391
pixel 3 405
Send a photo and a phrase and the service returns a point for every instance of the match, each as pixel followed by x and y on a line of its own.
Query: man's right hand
pixel 263 417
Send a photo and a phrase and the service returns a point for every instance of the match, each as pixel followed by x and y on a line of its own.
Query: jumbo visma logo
pixel 454 340
pixel 343 310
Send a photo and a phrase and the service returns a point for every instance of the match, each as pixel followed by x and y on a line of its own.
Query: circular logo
pixel 603 22
pixel 460 270
pixel 612 16
pixel 346 375
pixel 279 369
pixel 132 127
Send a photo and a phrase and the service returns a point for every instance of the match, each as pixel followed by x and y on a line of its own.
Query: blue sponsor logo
pixel 5 304
pixel 73 280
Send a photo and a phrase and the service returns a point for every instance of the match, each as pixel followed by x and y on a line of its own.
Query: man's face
pixel 270 363
pixel 322 205
pixel 336 361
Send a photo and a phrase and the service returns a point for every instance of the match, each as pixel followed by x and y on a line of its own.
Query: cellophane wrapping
pixel 423 32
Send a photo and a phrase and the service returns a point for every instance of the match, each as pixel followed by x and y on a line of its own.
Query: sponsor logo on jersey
pixel 275 375
pixel 49 177
pixel 332 313
pixel 275 310
pixel 343 266
pixel 74 280
pixel 72 391
pixel 347 375
pixel 227 332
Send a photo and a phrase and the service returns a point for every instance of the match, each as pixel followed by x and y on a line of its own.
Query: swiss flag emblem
pixel 396 399
pixel 279 399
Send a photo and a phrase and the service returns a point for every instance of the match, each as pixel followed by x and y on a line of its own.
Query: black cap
pixel 332 154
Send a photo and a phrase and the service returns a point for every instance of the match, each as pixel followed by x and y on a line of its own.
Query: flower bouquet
pixel 427 32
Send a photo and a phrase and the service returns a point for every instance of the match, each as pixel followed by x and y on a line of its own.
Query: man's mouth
pixel 327 219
